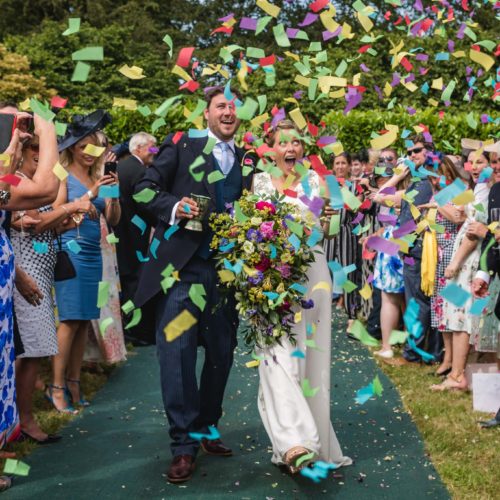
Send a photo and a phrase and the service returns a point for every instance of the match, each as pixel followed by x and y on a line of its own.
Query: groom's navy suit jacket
pixel 170 178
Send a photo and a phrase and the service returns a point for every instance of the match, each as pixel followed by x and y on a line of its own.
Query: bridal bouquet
pixel 263 252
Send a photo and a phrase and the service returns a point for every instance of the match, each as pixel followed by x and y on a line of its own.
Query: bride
pixel 299 426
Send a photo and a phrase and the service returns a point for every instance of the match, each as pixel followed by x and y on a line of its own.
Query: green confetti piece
pixel 446 95
pixel 377 386
pixel 112 239
pixel 261 24
pixel 240 216
pixel 341 68
pixel 159 122
pixel 471 121
pixel 295 227
pixel 349 286
pixel 358 330
pixel 88 54
pixel 246 170
pixel 168 271
pixel 73 26
pixel 41 110
pixel 81 72
pixel 168 40
pixel 398 337
pixel 144 110
pixel 144 196
pixel 197 295
pixel 315 47
pixel 103 293
pixel 200 107
pixel 470 34
pixel 334 226
pixel 209 146
pixel 128 307
pixel 215 176
pixel 162 109
pixel 307 390
pixel 197 176
pixel 262 100
pixel 136 318
pixel 104 325
pixel 311 344
pixel 247 111
pixel 280 36
pixel 61 128
pixel 350 199
pixel 255 52
pixel 304 458
pixel 16 467
pixel 483 259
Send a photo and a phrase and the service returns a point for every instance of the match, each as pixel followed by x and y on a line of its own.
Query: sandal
pixel 292 459
pixel 69 410
pixel 451 384
pixel 82 402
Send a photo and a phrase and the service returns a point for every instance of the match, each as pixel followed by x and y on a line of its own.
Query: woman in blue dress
pixel 76 298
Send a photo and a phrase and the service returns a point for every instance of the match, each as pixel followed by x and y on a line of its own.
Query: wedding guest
pixel 28 194
pixel 134 241
pixel 356 165
pixel 461 271
pixel 32 240
pixel 296 425
pixel 77 297
pixel 344 247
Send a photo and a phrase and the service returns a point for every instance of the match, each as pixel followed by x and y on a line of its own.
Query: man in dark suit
pixel 134 241
pixel 174 180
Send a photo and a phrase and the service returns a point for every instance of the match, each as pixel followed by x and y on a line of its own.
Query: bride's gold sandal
pixel 293 455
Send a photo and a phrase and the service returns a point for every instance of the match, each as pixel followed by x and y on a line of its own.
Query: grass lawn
pixel 466 457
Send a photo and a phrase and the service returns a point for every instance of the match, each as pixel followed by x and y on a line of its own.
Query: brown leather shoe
pixel 181 469
pixel 216 447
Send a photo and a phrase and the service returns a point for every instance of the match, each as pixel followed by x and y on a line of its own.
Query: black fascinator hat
pixel 83 125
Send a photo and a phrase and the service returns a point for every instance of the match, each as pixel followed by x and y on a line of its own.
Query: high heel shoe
pixel 82 402
pixel 297 458
pixel 69 410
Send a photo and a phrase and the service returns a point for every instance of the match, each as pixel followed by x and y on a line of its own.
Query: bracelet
pixel 65 209
pixel 90 194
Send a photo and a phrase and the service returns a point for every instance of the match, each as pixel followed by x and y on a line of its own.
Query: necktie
pixel 225 160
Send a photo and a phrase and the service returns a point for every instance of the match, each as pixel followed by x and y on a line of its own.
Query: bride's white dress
pixel 290 418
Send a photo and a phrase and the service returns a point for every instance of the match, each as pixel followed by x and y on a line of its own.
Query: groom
pixel 189 408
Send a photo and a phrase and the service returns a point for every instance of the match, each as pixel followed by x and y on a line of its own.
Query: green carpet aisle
pixel 119 447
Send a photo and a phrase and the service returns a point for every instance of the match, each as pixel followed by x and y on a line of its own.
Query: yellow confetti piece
pixel 458 54
pixel 25 105
pixel 347 31
pixel 259 120
pixel 298 317
pixel 385 140
pixel 225 275
pixel 415 212
pixel 337 94
pixel 403 245
pixel 292 55
pixel 356 79
pixel 181 323
pixel 59 171
pixel 387 89
pixel 5 159
pixel 252 364
pixel 177 70
pixel 437 83
pixel 366 292
pixel 327 19
pixel 433 102
pixel 298 118
pixel 464 198
pixel 92 150
pixel 365 21
pixel 337 148
pixel 268 8
pixel 325 82
pixel 302 80
pixel 249 270
pixel 128 104
pixel 322 285
pixel 132 72
pixel 481 58
pixel 410 86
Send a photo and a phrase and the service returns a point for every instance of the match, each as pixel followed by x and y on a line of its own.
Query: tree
pixel 16 80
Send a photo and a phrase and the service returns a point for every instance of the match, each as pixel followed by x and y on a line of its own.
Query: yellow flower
pixel 280 288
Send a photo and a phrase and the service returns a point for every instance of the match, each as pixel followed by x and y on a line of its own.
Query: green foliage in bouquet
pixel 263 251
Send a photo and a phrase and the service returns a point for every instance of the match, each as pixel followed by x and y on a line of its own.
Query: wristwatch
pixel 90 194
pixel 4 197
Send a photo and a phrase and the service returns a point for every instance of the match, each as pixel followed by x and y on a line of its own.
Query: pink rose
pixel 266 229
pixel 263 205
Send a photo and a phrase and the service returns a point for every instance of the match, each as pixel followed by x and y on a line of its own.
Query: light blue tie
pixel 225 160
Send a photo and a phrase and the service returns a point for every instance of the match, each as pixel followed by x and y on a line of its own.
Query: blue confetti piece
pixel 485 174
pixel 109 191
pixel 314 474
pixel 271 295
pixel 73 246
pixel 478 306
pixel 298 354
pixel 336 199
pixel 154 246
pixel 197 134
pixel 141 257
pixel 299 288
pixel 314 238
pixel 214 434
pixel 137 221
pixel 273 251
pixel 40 247
pixel 170 231
pixel 187 208
pixel 426 357
pixel 455 294
pixel 448 193
pixel 294 240
pixel 364 394
pixel 226 248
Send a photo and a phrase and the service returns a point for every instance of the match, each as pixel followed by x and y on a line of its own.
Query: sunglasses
pixel 34 147
pixel 386 159
pixel 415 151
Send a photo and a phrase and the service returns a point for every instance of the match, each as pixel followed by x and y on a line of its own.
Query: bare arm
pixel 464 250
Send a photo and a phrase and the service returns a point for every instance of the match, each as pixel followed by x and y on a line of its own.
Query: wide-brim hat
pixel 83 125
pixel 474 145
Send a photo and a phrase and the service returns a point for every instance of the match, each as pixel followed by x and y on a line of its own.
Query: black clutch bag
pixel 64 268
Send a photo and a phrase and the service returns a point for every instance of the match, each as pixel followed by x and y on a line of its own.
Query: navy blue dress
pixel 77 298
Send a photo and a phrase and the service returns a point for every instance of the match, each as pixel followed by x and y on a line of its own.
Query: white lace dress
pixel 290 418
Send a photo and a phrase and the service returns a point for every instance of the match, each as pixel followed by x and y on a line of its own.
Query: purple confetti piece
pixel 451 46
pixel 247 23
pixel 410 78
pixel 280 115
pixel 411 111
pixel 364 67
pixel 359 217
pixel 428 137
pixel 326 139
pixel 382 245
pixel 292 32
pixel 410 261
pixel 479 73
pixel 379 92
pixel 418 5
pixel 352 102
pixel 416 28
pixel 461 31
pixel 226 18
pixel 298 94
pixel 396 78
pixel 309 19
pixel 422 57
pixel 485 118
pixel 422 71
pixel 387 218
pixel 370 279
pixel 406 228
pixel 388 190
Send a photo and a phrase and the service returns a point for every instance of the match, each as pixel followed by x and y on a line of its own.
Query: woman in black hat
pixel 77 297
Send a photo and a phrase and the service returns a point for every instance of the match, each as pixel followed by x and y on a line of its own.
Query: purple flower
pixel 266 229
pixel 307 304
pixel 284 269
pixel 256 278
pixel 254 235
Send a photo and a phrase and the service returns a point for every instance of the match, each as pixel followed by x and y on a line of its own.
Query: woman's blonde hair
pixel 66 158
pixel 279 127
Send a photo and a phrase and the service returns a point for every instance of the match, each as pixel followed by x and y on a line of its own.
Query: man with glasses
pixel 430 340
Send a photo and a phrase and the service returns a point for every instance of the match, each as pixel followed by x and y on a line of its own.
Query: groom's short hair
pixel 214 91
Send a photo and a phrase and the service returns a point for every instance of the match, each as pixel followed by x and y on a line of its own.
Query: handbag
pixel 64 268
